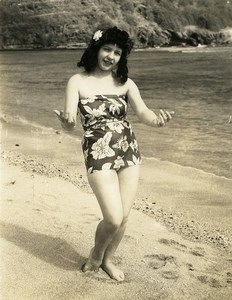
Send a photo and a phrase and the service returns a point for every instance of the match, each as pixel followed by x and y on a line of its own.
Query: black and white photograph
pixel 116 149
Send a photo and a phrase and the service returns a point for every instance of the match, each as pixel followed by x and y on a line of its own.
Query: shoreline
pixel 188 201
pixel 136 49
pixel 35 127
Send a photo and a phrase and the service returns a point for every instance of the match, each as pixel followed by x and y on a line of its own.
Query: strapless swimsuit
pixel 108 141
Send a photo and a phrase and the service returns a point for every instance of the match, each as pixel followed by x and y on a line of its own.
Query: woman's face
pixel 109 56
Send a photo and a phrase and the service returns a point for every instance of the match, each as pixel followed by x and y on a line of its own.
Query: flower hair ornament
pixel 97 35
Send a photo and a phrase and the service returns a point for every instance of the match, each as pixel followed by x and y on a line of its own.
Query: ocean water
pixel 195 83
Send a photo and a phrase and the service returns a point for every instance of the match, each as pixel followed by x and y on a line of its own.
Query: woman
pixel 101 93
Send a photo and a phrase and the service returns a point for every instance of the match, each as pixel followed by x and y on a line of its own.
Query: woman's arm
pixel 68 116
pixel 144 114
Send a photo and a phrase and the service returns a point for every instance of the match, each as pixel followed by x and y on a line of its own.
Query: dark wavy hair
pixel 109 36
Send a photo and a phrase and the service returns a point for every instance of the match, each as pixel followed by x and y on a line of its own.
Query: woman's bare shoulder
pixel 130 85
pixel 78 77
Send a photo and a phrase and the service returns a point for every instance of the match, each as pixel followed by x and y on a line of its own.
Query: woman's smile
pixel 109 56
pixel 107 62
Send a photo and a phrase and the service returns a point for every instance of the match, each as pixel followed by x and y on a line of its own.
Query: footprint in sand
pixel 157 261
pixel 229 278
pixel 170 274
pixel 173 243
pixel 209 280
pixel 127 237
pixel 190 267
pixel 198 251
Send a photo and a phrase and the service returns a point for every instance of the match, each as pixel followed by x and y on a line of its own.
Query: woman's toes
pixel 113 271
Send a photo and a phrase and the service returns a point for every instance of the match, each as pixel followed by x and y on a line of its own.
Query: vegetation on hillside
pixel 55 23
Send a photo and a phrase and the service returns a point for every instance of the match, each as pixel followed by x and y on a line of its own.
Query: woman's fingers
pixel 161 120
pixel 73 119
pixel 67 122
pixel 169 114
pixel 64 117
pixel 164 117
pixel 59 114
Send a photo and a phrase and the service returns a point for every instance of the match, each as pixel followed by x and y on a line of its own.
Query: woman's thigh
pixel 128 184
pixel 105 185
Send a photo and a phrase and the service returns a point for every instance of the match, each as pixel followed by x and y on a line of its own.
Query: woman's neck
pixel 97 83
pixel 98 73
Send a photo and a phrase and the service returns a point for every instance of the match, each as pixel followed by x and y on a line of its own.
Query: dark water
pixel 196 84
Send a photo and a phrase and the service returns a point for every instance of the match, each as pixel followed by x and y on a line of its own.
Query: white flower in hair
pixel 97 35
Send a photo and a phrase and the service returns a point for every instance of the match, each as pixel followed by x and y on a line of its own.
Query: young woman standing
pixel 100 94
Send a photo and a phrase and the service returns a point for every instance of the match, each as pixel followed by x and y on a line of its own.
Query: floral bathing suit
pixel 108 141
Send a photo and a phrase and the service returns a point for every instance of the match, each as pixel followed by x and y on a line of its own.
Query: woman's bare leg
pixel 128 183
pixel 105 185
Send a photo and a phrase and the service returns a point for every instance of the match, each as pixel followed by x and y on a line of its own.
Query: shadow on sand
pixel 50 249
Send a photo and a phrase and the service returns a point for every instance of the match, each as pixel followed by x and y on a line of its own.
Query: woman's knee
pixel 114 223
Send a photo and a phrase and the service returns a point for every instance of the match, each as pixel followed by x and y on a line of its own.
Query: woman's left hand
pixel 164 116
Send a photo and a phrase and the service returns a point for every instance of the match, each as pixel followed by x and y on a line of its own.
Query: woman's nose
pixel 111 55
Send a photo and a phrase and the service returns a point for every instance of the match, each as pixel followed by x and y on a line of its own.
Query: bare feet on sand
pixel 113 271
pixel 92 263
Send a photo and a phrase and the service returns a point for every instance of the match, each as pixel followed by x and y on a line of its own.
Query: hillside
pixel 69 23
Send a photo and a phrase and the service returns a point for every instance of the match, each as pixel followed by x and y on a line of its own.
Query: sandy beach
pixel 177 244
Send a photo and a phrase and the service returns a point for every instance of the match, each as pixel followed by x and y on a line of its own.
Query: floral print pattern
pixel 122 143
pixel 108 140
pixel 101 148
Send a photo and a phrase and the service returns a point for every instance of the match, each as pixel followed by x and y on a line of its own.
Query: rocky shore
pixel 190 37
pixel 69 24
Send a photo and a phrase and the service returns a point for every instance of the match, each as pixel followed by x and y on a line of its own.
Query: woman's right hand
pixel 66 122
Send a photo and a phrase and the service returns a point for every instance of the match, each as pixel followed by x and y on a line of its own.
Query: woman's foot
pixel 92 263
pixel 113 271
